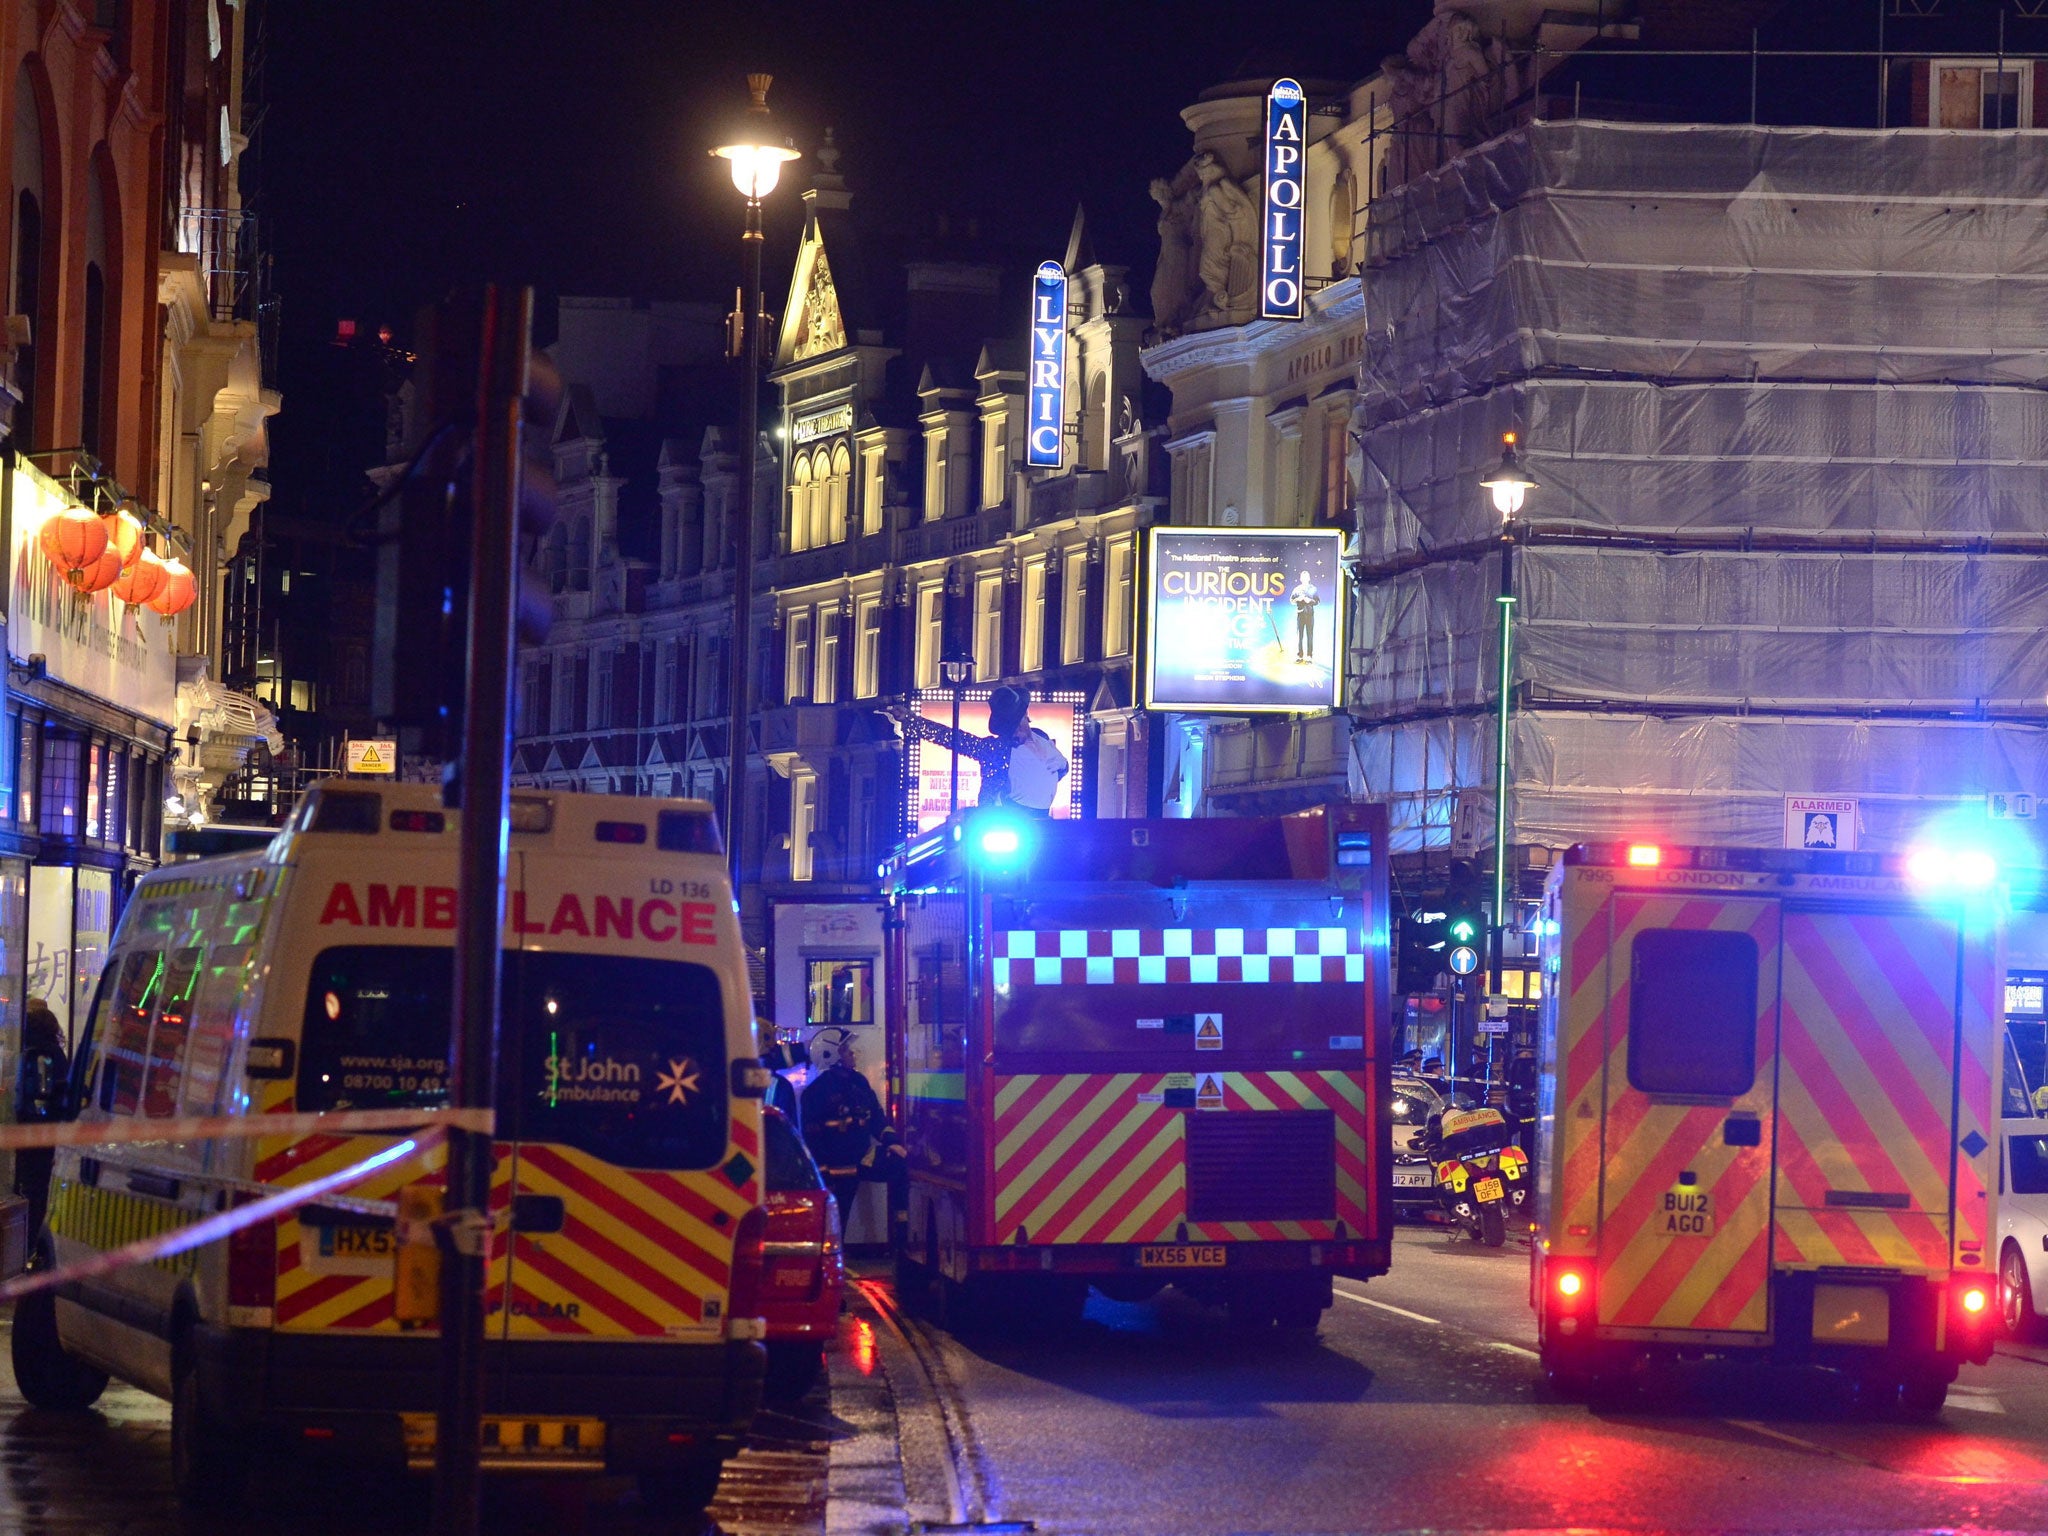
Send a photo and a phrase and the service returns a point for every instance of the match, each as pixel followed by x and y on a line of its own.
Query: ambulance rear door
pixel 1867 1083
pixel 1690 1035
pixel 630 1170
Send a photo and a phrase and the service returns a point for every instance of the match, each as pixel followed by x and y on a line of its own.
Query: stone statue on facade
pixel 1228 250
pixel 1173 277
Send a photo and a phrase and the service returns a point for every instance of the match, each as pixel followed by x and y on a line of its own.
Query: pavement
pixel 1417 1408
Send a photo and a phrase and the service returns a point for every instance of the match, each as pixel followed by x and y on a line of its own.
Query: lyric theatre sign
pixel 1043 443
pixel 1280 286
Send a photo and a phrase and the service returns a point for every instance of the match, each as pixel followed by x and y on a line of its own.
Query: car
pixel 1414 1177
pixel 2023 1229
pixel 805 1279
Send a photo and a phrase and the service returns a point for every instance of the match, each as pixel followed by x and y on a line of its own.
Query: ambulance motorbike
pixel 1483 1179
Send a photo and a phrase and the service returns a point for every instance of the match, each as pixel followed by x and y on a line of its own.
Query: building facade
pixel 123 129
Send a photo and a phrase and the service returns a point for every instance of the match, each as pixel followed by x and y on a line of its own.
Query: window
pixel 61 758
pixel 709 696
pixel 601 695
pixel 988 627
pixel 1974 95
pixel 931 632
pixel 1336 497
pixel 1031 637
pixel 803 821
pixel 2027 1157
pixel 121 1018
pixel 800 503
pixel 995 459
pixel 565 696
pixel 1074 606
pixel 874 485
pixel 839 992
pixel 622 1058
pixel 867 647
pixel 114 797
pixel 796 682
pixel 167 1039
pixel 666 672
pixel 935 474
pixel 790 1168
pixel 825 689
pixel 1116 600
pixel 25 773
pixel 831 510
pixel 95 768
pixel 1692 1013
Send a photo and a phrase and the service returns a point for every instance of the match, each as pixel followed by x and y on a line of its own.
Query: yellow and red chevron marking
pixel 1582 1024
pixel 1081 1158
pixel 639 1253
pixel 1866 1070
pixel 310 1300
pixel 1977 1094
pixel 1649 1279
pixel 1343 1093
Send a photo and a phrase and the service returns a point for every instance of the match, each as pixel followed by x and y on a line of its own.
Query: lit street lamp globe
pixel 1510 483
pixel 755 152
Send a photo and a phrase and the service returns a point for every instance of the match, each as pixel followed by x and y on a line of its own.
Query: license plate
pixel 1412 1178
pixel 358 1242
pixel 516 1439
pixel 1489 1189
pixel 1181 1256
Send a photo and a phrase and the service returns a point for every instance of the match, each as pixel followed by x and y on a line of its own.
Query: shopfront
pixel 91 691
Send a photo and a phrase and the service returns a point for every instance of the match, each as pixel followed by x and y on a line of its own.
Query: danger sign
pixel 1208 1031
pixel 1209 1091
pixel 373 756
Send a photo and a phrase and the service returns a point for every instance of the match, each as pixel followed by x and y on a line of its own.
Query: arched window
pixel 579 555
pixel 98 367
pixel 34 221
pixel 841 485
pixel 555 558
pixel 800 503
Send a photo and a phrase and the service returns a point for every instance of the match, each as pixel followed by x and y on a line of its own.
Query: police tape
pixel 224 1224
pixel 345 1122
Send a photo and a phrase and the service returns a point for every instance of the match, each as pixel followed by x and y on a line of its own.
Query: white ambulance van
pixel 314 976
pixel 1769 1112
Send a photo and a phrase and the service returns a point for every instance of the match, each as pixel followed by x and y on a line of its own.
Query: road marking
pixel 1388 1306
pixel 1975 1399
pixel 1513 1349
pixel 1805 1445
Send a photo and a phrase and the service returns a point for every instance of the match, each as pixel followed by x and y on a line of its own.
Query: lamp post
pixel 1509 485
pixel 756 152
pixel 956 670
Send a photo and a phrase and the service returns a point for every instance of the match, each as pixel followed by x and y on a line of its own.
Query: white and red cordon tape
pixel 431 1127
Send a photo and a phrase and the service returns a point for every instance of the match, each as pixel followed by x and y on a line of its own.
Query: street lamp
pixel 955 670
pixel 1509 485
pixel 755 152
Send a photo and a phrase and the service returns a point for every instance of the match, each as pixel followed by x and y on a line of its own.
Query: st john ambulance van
pixel 315 976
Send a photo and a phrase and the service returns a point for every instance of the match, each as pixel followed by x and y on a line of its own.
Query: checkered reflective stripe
pixel 1102 957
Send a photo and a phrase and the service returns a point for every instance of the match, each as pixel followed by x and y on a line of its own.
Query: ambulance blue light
pixel 1951 869
pixel 1000 841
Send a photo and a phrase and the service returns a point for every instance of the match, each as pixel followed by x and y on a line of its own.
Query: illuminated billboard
pixel 1280 286
pixel 1244 619
pixel 1044 440
pixel 929 766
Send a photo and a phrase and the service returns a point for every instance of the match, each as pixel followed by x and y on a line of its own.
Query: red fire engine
pixel 1132 1053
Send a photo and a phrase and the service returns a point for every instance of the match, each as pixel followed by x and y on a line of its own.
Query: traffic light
pixel 426 537
pixel 1464 917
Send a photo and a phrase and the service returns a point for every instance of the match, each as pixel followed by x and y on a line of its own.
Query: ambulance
pixel 314 976
pixel 1769 1109
pixel 1127 1054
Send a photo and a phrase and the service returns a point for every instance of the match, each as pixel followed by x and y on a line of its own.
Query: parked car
pixel 2023 1229
pixel 805 1265
pixel 1414 1176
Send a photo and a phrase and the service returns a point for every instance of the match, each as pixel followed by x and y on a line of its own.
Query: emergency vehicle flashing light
pixel 1645 855
pixel 1570 1282
pixel 1974 1300
pixel 1951 869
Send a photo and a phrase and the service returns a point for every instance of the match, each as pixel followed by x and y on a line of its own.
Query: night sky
pixel 410 147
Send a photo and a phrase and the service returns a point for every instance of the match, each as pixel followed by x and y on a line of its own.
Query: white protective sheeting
pixel 1796 377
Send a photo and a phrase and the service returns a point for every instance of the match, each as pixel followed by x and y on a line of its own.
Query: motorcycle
pixel 1483 1179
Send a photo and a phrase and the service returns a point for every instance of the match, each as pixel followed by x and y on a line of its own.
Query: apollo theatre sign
pixel 1280 288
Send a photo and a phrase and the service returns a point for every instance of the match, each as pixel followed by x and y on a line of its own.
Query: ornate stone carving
pixel 1208 269
pixel 822 330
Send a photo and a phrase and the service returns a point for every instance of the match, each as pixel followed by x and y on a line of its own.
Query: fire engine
pixel 1768 1112
pixel 1133 1053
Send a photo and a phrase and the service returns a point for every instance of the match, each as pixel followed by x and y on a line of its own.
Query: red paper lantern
pixel 141 580
pixel 73 539
pixel 127 532
pixel 98 576
pixel 178 590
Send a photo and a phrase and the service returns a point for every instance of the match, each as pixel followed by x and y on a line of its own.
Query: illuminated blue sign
pixel 1280 290
pixel 1044 442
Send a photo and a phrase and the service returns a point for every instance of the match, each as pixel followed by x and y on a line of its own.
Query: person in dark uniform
pixel 843 1123
pixel 38 1100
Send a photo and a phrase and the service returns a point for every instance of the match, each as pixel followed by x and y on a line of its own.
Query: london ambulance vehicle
pixel 1128 1054
pixel 314 976
pixel 1769 1112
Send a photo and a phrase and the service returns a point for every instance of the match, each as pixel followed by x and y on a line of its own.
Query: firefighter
pixel 1021 766
pixel 843 1123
